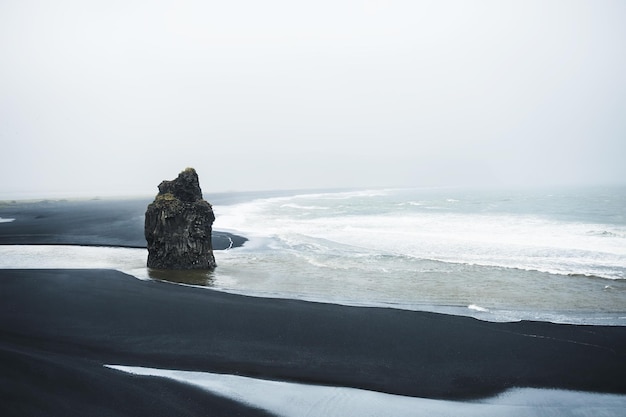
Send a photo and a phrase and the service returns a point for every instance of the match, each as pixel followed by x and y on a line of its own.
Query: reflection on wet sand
pixel 202 277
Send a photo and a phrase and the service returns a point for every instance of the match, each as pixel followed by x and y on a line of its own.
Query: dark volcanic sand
pixel 85 222
pixel 59 327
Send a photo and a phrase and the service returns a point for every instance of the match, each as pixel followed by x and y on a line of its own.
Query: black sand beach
pixel 58 328
pixel 85 222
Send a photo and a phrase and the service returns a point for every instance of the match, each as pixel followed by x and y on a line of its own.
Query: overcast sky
pixel 111 97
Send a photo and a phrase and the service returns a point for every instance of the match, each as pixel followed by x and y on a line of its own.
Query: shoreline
pixel 98 223
pixel 72 322
pixel 221 241
pixel 131 261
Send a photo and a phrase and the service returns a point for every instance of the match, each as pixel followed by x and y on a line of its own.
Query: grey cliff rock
pixel 178 225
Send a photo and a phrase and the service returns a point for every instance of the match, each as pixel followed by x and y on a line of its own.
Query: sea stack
pixel 178 225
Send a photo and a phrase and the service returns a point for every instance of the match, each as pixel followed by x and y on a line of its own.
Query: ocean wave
pixel 524 242
pixel 339 195
pixel 478 308
pixel 338 256
pixel 302 207
pixel 3 220
pixel 612 276
pixel 605 273
pixel 605 233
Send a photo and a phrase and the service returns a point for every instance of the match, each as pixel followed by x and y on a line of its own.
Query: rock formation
pixel 178 225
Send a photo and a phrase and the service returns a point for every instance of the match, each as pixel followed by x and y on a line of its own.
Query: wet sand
pixel 85 222
pixel 60 327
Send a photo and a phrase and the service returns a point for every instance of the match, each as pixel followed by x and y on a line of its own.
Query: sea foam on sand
pixel 235 267
pixel 294 400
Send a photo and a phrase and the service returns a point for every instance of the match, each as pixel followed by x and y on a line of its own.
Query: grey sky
pixel 101 97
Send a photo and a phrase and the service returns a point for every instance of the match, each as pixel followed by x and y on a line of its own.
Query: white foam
pixel 254 271
pixel 302 400
pixel 522 242
pixel 301 207
pixel 3 220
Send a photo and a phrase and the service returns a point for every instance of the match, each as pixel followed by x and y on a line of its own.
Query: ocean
pixel 537 254
pixel 554 255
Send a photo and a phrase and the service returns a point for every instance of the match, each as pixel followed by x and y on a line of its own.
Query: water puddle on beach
pixel 128 260
pixel 201 277
pixel 131 261
pixel 294 400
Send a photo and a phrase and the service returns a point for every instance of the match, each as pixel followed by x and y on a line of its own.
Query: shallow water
pixel 265 273
pixel 294 400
